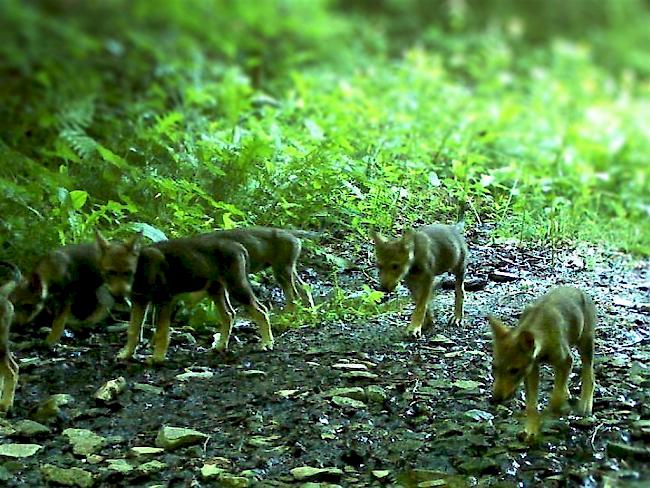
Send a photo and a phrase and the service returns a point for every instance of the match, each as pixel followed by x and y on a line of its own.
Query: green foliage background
pixel 189 115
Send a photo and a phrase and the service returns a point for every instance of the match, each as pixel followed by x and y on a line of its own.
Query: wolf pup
pixel 157 274
pixel 547 329
pixel 277 249
pixel 417 258
pixel 68 283
pixel 8 365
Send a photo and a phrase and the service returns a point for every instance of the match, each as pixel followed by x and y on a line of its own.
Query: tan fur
pixel 547 330
pixel 417 258
pixel 8 364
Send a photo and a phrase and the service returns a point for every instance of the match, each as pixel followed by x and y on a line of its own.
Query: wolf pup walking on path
pixel 417 258
pixel 547 329
pixel 157 274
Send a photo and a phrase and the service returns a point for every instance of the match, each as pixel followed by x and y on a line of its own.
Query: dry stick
pixel 593 436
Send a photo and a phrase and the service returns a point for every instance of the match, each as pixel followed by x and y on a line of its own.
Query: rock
pixel 286 393
pixel 376 394
pixel 466 384
pixel 109 391
pixel 380 474
pixel 156 390
pixel 350 366
pixel 50 408
pixel 67 477
pixel 210 471
pixel 478 466
pixel 232 481
pixel 254 373
pixel 478 415
pixel 141 452
pixel 174 437
pixel 355 392
pixel 348 402
pixel 19 450
pixel 84 441
pixel 190 375
pixel 29 428
pixel 305 473
pixel 151 467
pixel 120 465
pixel 502 276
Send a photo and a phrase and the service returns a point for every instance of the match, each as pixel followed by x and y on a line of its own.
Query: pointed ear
pixel 377 238
pixel 102 242
pixel 133 244
pixel 408 240
pixel 499 329
pixel 526 341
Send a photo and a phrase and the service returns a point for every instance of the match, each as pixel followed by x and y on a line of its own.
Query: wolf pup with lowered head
pixel 277 249
pixel 157 274
pixel 68 283
pixel 417 258
pixel 8 365
pixel 547 330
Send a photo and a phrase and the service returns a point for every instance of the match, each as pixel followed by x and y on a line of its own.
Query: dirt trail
pixel 419 414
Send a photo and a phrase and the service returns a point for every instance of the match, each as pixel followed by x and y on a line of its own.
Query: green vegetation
pixel 188 115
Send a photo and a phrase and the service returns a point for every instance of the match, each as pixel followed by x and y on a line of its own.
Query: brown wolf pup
pixel 68 282
pixel 547 330
pixel 277 249
pixel 8 365
pixel 417 258
pixel 157 274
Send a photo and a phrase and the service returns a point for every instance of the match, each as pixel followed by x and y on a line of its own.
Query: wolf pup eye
pixel 395 267
pixel 514 371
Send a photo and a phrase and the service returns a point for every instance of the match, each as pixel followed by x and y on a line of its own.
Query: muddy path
pixel 413 413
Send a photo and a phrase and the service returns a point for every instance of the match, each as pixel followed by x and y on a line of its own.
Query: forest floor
pixel 413 413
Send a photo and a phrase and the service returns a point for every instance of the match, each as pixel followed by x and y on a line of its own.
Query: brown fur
pixel 277 249
pixel 161 272
pixel 562 318
pixel 417 258
pixel 67 282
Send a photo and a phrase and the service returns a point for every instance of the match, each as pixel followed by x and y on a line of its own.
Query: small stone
pixel 151 467
pixel 376 394
pixel 479 466
pixel 120 465
pixel 194 375
pixel 466 384
pixel 232 481
pixel 109 391
pixel 380 474
pixel 360 375
pixel 254 373
pixel 156 390
pixel 29 428
pixel 67 477
pixel 84 441
pixel 286 393
pixel 348 402
pixel 305 473
pixel 479 415
pixel 355 392
pixel 350 366
pixel 174 437
pixel 19 450
pixel 140 452
pixel 209 471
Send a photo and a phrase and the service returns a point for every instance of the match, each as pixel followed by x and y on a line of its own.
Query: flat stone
pixel 67 477
pixel 380 474
pixel 151 467
pixel 479 415
pixel 194 375
pixel 29 428
pixel 174 437
pixel 305 473
pixel 355 392
pixel 140 452
pixel 360 375
pixel 156 390
pixel 84 441
pixel 120 465
pixel 19 450
pixel 210 471
pixel 254 373
pixel 348 402
pixel 350 366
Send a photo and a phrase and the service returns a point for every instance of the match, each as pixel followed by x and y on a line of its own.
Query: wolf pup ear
pixel 377 237
pixel 499 329
pixel 527 341
pixel 408 240
pixel 133 244
pixel 102 242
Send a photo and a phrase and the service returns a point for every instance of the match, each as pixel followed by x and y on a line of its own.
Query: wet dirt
pixel 422 416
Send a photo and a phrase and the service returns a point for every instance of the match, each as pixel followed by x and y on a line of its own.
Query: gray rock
pixel 141 452
pixel 67 477
pixel 305 473
pixel 348 402
pixel 19 450
pixel 190 375
pixel 355 392
pixel 29 428
pixel 151 467
pixel 84 442
pixel 173 437
pixel 376 394
pixel 110 390
pixel 120 465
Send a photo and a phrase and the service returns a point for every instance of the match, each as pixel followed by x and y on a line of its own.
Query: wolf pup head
pixel 513 357
pixel 394 258
pixel 117 263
